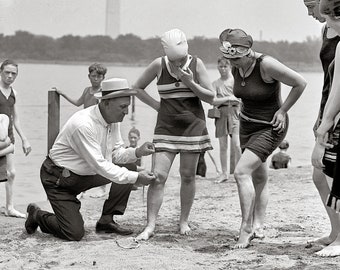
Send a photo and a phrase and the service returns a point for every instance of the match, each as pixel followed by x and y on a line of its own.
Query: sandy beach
pixel 294 216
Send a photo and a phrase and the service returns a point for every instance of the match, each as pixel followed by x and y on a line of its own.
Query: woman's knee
pixel 161 177
pixel 187 177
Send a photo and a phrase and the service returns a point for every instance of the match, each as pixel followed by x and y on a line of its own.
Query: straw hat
pixel 113 88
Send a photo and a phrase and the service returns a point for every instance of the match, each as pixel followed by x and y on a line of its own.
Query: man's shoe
pixel 112 227
pixel 31 224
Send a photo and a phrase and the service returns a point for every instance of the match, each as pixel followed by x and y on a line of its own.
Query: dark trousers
pixel 62 187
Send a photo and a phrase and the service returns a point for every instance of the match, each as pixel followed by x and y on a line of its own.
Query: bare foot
pixel 184 229
pixel 323 241
pixel 145 235
pixel 222 178
pixel 14 213
pixel 330 251
pixel 244 240
pixel 259 234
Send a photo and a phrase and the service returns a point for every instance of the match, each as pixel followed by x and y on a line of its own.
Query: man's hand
pixel 26 147
pixel 145 178
pixel 145 149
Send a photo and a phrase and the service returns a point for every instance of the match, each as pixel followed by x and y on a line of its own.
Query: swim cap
pixel 175 44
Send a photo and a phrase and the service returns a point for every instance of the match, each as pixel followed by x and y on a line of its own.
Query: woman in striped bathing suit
pixel 182 82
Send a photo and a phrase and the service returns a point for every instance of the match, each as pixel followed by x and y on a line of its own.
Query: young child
pixel 281 160
pixel 8 105
pixel 96 76
pixel 134 137
pixel 227 125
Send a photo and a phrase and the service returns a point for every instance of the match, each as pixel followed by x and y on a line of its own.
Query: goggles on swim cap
pixel 230 51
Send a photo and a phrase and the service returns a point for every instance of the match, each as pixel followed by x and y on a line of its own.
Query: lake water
pixel 35 80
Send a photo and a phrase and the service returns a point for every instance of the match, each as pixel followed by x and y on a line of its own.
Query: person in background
pixel 6 147
pixel 96 75
pixel 322 178
pixel 281 160
pixel 328 132
pixel 8 99
pixel 202 166
pixel 182 82
pixel 228 122
pixel 263 123
pixel 83 156
pixel 134 137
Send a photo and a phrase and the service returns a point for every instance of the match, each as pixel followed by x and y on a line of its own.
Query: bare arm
pixel 74 101
pixel 26 147
pixel 4 122
pixel 144 80
pixel 271 69
pixel 332 107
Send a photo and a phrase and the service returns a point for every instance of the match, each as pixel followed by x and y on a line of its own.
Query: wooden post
pixel 53 118
pixel 133 104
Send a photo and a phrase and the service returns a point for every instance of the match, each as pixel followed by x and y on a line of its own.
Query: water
pixel 34 81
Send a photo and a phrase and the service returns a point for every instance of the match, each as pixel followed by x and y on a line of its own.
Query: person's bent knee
pixel 75 235
pixel 239 175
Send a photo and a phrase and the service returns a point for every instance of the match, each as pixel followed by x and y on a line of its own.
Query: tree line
pixel 131 49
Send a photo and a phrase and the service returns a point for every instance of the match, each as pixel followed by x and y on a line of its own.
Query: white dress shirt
pixel 84 146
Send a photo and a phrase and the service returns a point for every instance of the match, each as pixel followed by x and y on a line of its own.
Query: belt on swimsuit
pixel 254 120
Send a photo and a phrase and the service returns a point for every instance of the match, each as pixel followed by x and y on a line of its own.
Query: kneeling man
pixel 84 156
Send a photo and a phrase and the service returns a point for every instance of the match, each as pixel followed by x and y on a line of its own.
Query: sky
pixel 271 20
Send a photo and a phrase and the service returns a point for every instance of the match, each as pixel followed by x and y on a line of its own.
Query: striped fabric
pixel 181 125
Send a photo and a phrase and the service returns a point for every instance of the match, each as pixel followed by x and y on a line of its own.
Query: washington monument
pixel 112 19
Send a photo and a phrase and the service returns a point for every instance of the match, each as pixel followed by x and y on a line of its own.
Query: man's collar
pixel 100 116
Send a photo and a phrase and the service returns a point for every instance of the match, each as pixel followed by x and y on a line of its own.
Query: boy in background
pixel 96 76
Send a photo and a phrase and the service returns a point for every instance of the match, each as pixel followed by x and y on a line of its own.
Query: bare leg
pixel 248 163
pixel 188 165
pixel 323 183
pixel 10 211
pixel 260 180
pixel 235 146
pixel 223 158
pixel 162 162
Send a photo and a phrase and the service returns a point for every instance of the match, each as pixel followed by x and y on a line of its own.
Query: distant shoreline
pixel 299 67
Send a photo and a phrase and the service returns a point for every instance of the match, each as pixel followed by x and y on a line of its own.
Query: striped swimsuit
pixel 181 125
